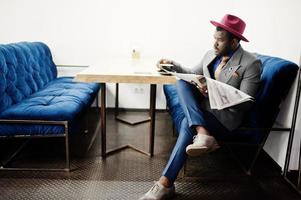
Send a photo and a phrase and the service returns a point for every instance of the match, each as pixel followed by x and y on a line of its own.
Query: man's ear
pixel 234 43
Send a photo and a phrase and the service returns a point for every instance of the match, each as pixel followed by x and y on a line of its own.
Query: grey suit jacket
pixel 242 71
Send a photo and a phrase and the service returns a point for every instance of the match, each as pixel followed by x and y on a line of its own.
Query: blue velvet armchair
pixel 276 80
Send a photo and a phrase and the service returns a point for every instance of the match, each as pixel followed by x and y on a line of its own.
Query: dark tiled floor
pixel 128 174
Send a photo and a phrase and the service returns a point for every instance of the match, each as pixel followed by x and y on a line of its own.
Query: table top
pixel 124 71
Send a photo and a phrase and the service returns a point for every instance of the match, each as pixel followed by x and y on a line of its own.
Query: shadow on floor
pixel 128 174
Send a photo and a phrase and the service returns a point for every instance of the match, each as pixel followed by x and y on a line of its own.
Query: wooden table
pixel 126 71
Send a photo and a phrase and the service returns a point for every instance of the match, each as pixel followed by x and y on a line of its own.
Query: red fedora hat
pixel 233 24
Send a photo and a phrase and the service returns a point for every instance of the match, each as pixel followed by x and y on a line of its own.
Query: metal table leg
pixel 127 118
pixel 103 120
pixel 104 152
pixel 153 90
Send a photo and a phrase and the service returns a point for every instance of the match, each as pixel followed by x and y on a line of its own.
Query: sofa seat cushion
pixel 61 100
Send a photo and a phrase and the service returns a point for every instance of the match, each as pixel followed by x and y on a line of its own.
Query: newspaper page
pixel 221 95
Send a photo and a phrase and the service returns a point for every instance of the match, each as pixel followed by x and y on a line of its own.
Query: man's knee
pixel 182 84
pixel 185 89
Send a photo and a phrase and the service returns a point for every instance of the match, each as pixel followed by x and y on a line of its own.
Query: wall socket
pixel 139 90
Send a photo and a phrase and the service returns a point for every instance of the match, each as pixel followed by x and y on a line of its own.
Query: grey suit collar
pixel 232 65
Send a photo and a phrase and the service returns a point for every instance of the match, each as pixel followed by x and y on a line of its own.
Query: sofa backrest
pixel 276 79
pixel 25 68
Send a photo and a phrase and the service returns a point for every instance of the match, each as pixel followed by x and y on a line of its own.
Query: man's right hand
pixel 163 61
pixel 203 89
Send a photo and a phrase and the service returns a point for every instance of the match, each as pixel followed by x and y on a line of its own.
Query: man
pixel 227 63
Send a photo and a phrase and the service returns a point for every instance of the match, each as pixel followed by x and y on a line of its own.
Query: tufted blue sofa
pixel 34 102
pixel 276 80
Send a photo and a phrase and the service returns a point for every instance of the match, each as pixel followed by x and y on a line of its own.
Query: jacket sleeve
pixel 198 69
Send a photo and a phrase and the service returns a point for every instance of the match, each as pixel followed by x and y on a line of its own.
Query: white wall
pixel 276 144
pixel 84 32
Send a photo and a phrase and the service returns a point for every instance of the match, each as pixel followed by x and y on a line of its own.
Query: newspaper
pixel 220 95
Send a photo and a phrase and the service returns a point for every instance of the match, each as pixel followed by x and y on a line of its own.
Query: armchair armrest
pixel 70 70
pixel 73 66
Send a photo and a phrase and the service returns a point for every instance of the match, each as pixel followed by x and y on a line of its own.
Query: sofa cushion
pixel 25 68
pixel 61 99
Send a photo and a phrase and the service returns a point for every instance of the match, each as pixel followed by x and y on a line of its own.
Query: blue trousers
pixel 193 115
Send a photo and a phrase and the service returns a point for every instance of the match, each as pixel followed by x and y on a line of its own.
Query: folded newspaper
pixel 220 95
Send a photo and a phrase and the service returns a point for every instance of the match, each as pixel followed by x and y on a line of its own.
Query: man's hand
pixel 203 89
pixel 163 61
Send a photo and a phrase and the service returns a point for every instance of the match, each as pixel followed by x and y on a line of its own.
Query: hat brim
pixel 240 36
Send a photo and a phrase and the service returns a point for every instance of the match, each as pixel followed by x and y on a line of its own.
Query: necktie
pixel 221 66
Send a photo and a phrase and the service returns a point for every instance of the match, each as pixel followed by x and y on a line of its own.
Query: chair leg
pixel 14 154
pixel 249 170
pixel 67 167
pixel 184 169
pixel 97 100
pixel 173 130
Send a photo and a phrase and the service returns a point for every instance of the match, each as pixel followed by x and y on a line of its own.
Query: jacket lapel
pixel 208 60
pixel 232 65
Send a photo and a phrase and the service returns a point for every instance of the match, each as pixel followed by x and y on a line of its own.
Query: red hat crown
pixel 232 24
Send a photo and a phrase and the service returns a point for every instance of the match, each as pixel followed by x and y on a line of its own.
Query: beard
pixel 222 52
